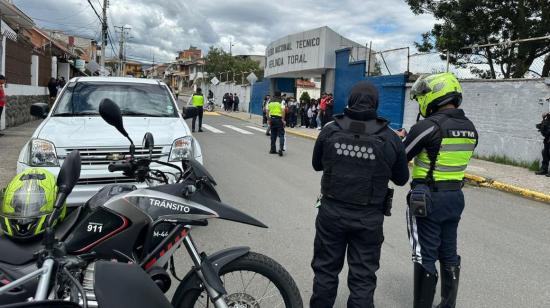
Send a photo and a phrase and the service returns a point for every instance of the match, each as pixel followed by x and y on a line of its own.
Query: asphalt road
pixel 503 239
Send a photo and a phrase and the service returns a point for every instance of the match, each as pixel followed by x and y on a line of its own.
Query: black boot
pixel 542 171
pixel 450 275
pixel 424 287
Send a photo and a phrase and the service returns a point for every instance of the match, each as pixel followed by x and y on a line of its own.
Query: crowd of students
pixel 314 113
pixel 230 102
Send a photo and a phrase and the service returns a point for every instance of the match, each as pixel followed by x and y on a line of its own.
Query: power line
pixel 96 14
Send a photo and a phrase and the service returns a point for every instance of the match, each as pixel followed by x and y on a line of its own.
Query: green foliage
pixel 500 159
pixel 227 68
pixel 465 23
pixel 305 97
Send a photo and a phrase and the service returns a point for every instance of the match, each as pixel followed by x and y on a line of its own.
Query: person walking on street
pixel 197 100
pixel 264 111
pixel 236 102
pixel 275 112
pixel 442 145
pixel 52 88
pixel 359 154
pixel 230 102
pixel 544 129
pixel 292 112
pixel 2 96
pixel 329 106
pixel 177 93
pixel 225 101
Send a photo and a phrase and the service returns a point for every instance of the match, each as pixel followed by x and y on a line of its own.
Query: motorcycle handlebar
pixel 125 167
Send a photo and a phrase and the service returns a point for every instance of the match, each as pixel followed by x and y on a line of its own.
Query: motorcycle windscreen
pixel 119 285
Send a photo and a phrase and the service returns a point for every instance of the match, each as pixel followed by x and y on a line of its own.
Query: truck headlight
pixel 181 148
pixel 42 154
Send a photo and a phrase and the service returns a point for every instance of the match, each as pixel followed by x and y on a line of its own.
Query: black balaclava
pixel 362 101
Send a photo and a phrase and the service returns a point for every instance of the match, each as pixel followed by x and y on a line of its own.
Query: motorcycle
pixel 210 105
pixel 56 269
pixel 147 226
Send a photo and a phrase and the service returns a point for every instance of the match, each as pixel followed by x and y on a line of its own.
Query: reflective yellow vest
pixel 275 109
pixel 198 100
pixel 457 148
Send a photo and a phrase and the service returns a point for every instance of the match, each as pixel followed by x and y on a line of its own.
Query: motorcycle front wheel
pixel 210 108
pixel 251 281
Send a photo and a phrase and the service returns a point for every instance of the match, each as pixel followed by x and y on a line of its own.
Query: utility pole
pixel 122 49
pixel 104 32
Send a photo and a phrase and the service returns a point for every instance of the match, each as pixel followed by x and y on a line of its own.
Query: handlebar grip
pixel 119 167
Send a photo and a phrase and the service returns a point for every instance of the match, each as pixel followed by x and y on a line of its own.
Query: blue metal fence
pixel 259 91
pixel 391 88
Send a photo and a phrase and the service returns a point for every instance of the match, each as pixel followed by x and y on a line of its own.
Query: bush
pixel 305 97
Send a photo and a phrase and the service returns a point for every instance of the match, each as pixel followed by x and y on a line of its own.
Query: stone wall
pixel 505 113
pixel 19 106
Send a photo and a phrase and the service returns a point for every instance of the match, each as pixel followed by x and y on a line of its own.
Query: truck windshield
pixel 134 99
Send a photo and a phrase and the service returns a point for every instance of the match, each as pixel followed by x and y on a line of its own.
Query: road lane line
pixel 257 128
pixel 242 131
pixel 212 129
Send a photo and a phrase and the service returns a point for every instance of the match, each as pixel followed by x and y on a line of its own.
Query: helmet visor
pixel 27 201
pixel 420 87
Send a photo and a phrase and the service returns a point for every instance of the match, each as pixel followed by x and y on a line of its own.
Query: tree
pixel 305 97
pixel 478 22
pixel 221 63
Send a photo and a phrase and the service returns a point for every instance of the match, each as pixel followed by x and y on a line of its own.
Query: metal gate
pixel 391 90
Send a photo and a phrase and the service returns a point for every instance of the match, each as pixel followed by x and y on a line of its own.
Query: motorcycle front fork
pixel 219 301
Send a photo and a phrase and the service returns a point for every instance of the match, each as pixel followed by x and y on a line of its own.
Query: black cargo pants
pixel 277 130
pixel 339 228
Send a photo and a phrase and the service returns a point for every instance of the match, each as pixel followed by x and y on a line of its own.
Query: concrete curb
pixel 471 178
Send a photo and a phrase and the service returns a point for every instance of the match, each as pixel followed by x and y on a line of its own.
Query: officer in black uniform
pixel 544 129
pixel 358 154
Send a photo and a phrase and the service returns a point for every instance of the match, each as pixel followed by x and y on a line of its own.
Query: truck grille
pixel 105 156
pixel 105 181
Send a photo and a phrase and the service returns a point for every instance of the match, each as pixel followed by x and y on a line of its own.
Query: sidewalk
pixel 511 179
pixel 10 145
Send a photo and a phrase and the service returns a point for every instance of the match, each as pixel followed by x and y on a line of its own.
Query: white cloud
pixel 165 26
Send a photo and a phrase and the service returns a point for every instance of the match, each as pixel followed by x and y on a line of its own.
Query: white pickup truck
pixel 74 124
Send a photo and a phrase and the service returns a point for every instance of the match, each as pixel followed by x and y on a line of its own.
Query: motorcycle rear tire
pixel 210 108
pixel 256 263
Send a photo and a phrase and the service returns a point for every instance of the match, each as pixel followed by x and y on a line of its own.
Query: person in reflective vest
pixel 197 100
pixel 275 113
pixel 441 145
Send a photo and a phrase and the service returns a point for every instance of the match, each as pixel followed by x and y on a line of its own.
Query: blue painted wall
pixel 391 88
pixel 259 91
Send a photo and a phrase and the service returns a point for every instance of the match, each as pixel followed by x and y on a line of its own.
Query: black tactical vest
pixel 355 169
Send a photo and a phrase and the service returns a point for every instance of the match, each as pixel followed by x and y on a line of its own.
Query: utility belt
pixel 275 117
pixel 420 196
pixel 439 185
pixel 386 205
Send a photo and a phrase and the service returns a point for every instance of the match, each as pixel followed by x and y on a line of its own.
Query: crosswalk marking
pixel 257 128
pixel 212 129
pixel 242 131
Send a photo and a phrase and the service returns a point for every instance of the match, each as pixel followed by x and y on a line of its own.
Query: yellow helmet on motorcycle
pixel 28 201
pixel 434 91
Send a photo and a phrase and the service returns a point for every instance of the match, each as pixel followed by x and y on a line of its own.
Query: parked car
pixel 74 123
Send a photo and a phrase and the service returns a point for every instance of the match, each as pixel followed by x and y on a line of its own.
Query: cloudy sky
pixel 163 27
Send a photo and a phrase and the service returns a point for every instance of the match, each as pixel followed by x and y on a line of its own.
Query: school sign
pixel 306 54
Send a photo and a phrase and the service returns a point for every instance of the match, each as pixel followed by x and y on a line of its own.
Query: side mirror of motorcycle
pixel 149 143
pixel 69 173
pixel 110 113
pixel 189 112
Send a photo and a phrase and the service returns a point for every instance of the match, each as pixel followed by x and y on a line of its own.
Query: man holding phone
pixel 441 145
